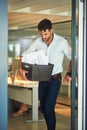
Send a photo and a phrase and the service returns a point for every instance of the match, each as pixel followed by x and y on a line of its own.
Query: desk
pixel 26 93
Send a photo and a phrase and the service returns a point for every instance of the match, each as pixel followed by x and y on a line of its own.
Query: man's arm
pixel 21 71
pixel 68 73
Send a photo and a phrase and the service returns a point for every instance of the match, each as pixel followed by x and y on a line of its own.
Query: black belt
pixel 56 76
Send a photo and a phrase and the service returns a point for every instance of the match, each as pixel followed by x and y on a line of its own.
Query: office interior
pixel 23 17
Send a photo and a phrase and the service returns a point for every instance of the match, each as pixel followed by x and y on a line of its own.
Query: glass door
pixel 74 86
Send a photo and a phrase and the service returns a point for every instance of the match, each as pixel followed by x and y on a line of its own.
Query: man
pixel 55 47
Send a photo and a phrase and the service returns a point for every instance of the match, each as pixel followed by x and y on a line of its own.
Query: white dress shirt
pixel 55 51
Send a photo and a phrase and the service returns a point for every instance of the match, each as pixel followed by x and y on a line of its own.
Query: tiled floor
pixel 63 116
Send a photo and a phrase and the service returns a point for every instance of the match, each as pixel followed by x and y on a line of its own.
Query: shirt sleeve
pixel 67 50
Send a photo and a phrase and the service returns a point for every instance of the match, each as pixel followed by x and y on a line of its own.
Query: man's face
pixel 46 35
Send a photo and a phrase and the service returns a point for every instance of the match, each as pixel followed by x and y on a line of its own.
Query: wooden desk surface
pixel 23 83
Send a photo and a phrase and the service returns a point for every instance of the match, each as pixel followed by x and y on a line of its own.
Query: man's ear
pixel 51 30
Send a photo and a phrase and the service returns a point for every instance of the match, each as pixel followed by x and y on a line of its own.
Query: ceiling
pixel 24 15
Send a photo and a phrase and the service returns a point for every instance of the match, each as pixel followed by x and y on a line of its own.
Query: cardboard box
pixel 38 72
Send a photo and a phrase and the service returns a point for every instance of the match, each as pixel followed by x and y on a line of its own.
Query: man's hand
pixel 67 78
pixel 23 73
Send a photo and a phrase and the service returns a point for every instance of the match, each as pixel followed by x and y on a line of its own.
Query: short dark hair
pixel 45 24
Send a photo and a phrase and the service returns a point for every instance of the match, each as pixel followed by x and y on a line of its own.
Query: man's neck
pixel 50 40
